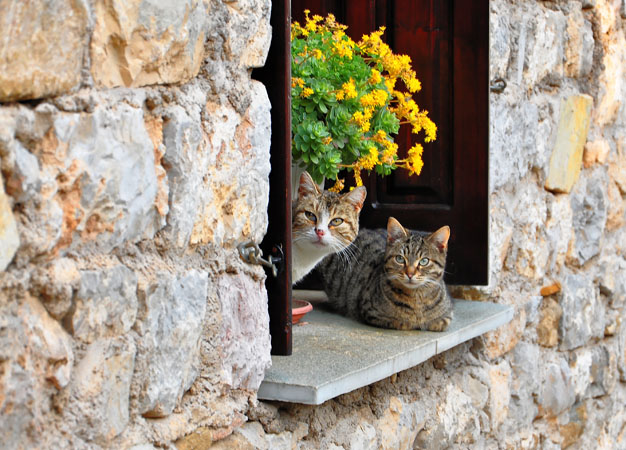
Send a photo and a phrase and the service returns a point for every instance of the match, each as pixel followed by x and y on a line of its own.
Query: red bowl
pixel 298 309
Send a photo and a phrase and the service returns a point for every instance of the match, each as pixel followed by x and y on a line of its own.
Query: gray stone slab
pixel 333 355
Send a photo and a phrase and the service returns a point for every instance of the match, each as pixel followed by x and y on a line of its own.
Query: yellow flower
pixel 369 161
pixel 377 97
pixel 306 92
pixel 349 89
pixel 317 53
pixel 414 85
pixel 414 160
pixel 357 176
pixel 338 187
pixel 327 140
pixel 339 95
pixel 297 82
pixel 375 78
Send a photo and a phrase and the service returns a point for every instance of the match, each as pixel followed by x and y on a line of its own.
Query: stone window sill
pixel 333 355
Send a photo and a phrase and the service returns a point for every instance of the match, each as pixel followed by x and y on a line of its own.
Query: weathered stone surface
pixel 36 361
pixel 139 43
pixel 506 337
pixel 43 46
pixel 548 327
pixel 100 389
pixel 251 31
pixel 583 312
pixel 105 304
pixel 566 159
pixel 237 180
pixel 589 202
pixel 610 97
pixel 499 43
pixel 500 393
pixel 545 48
pixel 596 152
pixel 511 124
pixel 559 229
pixel 245 339
pixel 54 285
pixel 9 237
pixel 593 371
pixel 616 209
pixel 528 253
pixel 557 392
pixel 611 280
pixel 186 162
pixel 578 45
pixel 169 325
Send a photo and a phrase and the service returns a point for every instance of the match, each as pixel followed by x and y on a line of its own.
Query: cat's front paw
pixel 440 324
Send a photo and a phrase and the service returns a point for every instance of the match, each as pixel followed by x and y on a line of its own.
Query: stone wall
pixel 556 375
pixel 134 156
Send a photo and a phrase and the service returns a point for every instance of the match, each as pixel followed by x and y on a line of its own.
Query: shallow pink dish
pixel 298 309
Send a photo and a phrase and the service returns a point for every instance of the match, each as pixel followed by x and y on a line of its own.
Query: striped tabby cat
pixel 323 223
pixel 395 280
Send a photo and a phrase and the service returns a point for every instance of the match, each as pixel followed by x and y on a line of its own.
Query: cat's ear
pixel 440 238
pixel 356 197
pixel 395 231
pixel 307 186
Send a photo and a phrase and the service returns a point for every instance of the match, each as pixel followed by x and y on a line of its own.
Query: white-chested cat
pixel 324 223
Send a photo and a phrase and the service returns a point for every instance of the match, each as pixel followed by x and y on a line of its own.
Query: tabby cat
pixel 323 223
pixel 395 280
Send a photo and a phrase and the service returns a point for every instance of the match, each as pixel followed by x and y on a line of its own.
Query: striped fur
pixel 394 281
pixel 323 222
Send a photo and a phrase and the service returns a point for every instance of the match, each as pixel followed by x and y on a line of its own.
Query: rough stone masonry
pixel 134 155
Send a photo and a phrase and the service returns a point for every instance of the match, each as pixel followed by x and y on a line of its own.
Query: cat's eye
pixel 424 261
pixel 336 221
pixel 400 259
pixel 309 215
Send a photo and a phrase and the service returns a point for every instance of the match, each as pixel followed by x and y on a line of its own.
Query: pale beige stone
pixel 138 43
pixel 500 393
pixel 615 212
pixel 9 237
pixel 548 327
pixel 566 159
pixel 596 152
pixel 505 338
pixel 42 47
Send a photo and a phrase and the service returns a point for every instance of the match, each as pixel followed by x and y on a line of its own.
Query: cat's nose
pixel 320 233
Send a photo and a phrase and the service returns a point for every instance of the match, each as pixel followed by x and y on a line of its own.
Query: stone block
pixel 44 42
pixel 54 285
pixel 578 45
pixel 169 324
pixel 502 340
pixel 513 141
pixel 583 311
pixel 499 44
pixel 556 392
pixel 543 61
pixel 138 43
pixel 566 159
pixel 610 98
pixel 100 389
pixel 36 362
pixel 237 181
pixel 9 237
pixel 244 336
pixel 105 304
pixel 499 377
pixel 596 152
pixel 548 327
pixel 590 204
pixel 594 371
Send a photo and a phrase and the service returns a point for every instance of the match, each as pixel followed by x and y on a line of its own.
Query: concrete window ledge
pixel 333 355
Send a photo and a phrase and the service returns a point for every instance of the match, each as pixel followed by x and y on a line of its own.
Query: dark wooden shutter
pixel 276 75
pixel 448 44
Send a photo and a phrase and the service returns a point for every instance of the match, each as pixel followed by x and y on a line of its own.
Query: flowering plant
pixel 347 103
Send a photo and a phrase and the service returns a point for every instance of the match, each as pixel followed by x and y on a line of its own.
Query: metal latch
pixel 251 253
